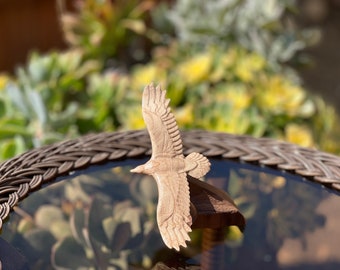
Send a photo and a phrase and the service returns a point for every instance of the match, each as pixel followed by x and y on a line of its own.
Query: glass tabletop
pixel 105 218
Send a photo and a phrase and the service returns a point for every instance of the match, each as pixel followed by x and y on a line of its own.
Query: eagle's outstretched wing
pixel 173 210
pixel 161 123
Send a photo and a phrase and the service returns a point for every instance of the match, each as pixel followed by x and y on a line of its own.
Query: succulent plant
pixel 101 220
pixel 264 29
pixel 235 84
pixel 110 30
pixel 102 237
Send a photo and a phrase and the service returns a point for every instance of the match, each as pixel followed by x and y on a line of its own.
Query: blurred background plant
pixel 104 219
pixel 228 66
pixel 218 78
pixel 266 29
pixel 113 32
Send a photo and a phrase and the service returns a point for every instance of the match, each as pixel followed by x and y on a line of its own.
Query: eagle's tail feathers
pixel 197 165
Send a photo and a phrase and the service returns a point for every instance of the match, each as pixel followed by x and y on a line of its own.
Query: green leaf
pixel 247 208
pixel 69 254
pixel 99 210
pixel 9 130
pixel 20 145
pixel 42 241
pixel 37 67
pixel 37 105
pixel 109 226
pixel 17 97
pixel 12 147
pixel 47 215
pixel 120 233
pixel 2 107
pixel 234 185
pixel 133 216
pixel 7 149
pixel 60 229
pixel 78 225
pixel 144 189
pixel 74 192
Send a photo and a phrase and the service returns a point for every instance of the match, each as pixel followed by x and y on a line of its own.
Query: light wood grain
pixel 169 167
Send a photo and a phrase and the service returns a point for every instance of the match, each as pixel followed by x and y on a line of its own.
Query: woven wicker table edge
pixel 21 175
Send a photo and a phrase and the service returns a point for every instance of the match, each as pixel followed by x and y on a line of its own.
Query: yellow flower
pixel 234 122
pixel 248 65
pixel 144 75
pixel 229 58
pixel 223 63
pixel 243 72
pixel 279 95
pixel 278 182
pixel 234 234
pixel 185 115
pixel 257 62
pixel 237 95
pixel 196 69
pixel 133 118
pixel 298 134
pixel 3 81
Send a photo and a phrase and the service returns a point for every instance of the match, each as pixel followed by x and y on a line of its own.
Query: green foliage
pixel 233 91
pixel 270 203
pixel 223 73
pixel 58 95
pixel 107 29
pixel 104 219
pixel 102 236
pixel 263 28
pixel 221 87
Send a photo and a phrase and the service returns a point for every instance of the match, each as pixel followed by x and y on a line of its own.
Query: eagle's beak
pixel 138 169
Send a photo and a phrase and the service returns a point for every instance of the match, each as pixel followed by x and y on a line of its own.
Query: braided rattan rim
pixel 29 171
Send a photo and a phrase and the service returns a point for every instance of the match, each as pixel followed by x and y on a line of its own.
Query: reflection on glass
pixel 105 218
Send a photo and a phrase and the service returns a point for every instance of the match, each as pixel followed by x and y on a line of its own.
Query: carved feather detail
pixel 160 122
pixel 169 168
pixel 173 210
pixel 197 165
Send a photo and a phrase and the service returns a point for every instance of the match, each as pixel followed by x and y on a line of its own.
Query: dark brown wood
pixel 27 25
pixel 213 208
pixel 212 249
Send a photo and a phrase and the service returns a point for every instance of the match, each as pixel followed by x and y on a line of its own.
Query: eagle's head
pixel 147 168
pixel 139 169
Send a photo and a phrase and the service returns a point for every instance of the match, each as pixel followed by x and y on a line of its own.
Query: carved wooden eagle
pixel 169 167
